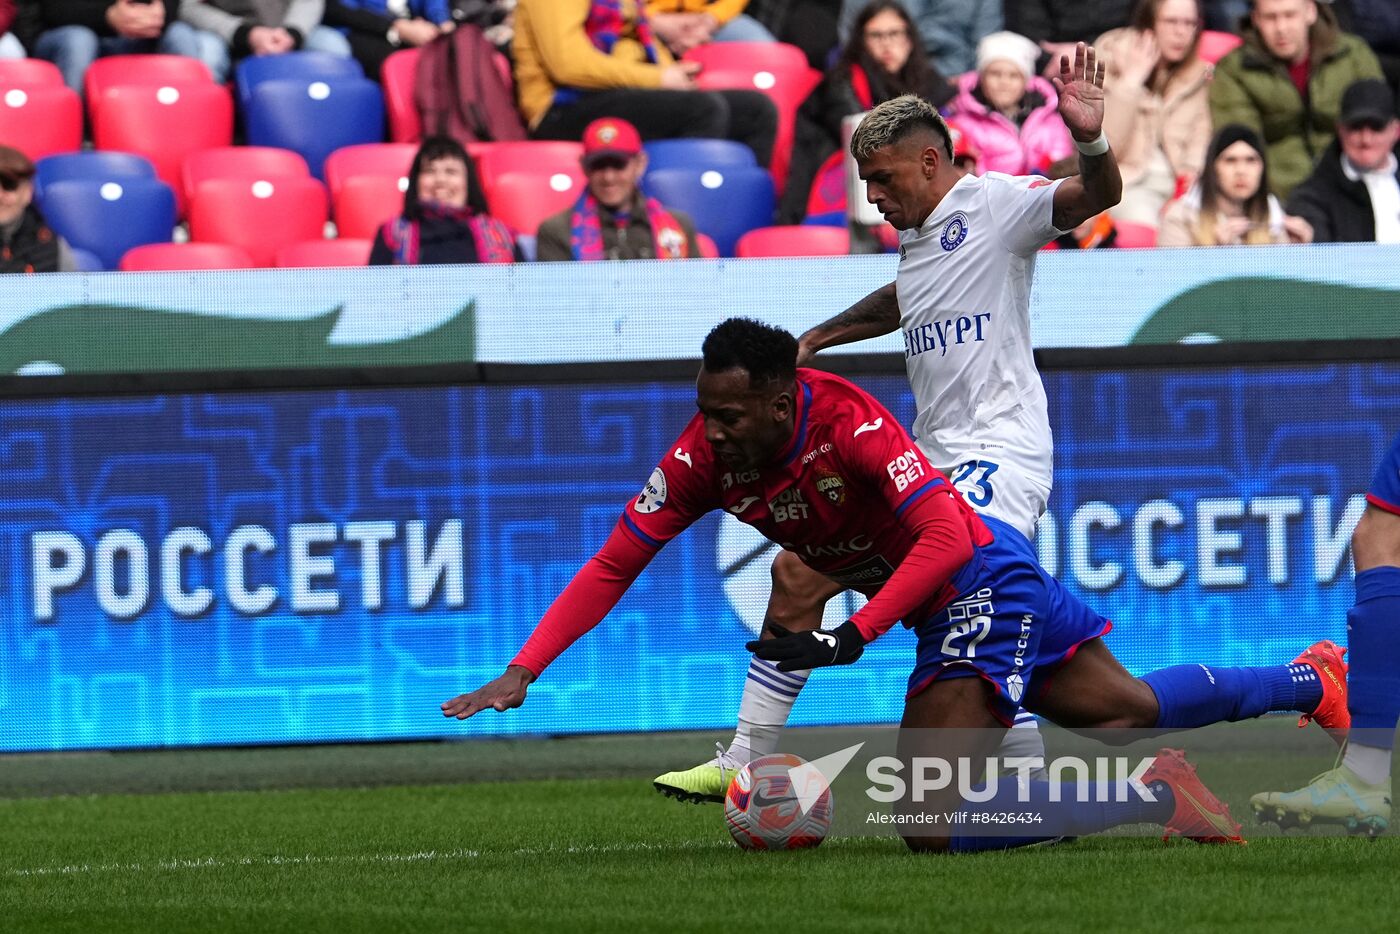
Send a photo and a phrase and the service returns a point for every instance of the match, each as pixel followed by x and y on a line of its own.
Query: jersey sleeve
pixel 673 498
pixel 1022 209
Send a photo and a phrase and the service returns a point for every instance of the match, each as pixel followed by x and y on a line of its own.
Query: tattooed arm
pixel 876 314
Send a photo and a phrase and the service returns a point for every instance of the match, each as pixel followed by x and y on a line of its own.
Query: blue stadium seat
pixel 102 166
pixel 315 117
pixel 697 153
pixel 86 261
pixel 307 66
pixel 725 203
pixel 107 218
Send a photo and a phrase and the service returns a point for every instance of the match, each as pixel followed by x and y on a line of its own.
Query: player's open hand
pixel 814 648
pixel 504 693
pixel 1080 86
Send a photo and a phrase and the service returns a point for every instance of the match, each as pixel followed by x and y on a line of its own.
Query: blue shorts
pixel 1385 488
pixel 1010 626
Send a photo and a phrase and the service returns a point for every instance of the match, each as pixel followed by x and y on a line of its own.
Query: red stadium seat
pixel 544 157
pixel 1216 45
pixel 775 68
pixel 113 70
pixel 246 162
pixel 41 120
pixel 29 73
pixel 164 123
pixel 167 257
pixel 398 76
pixel 1134 236
pixel 260 216
pixel 365 202
pixel 341 252
pixel 708 249
pixel 522 199
pixel 794 241
pixel 391 160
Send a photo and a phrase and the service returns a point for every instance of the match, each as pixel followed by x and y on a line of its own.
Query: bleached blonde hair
pixel 895 119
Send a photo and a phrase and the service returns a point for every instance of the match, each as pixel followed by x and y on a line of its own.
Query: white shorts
pixel 1000 490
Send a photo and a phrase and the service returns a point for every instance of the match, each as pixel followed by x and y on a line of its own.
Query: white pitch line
pixel 423 856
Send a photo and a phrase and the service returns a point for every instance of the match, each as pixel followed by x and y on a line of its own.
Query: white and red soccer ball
pixel 778 802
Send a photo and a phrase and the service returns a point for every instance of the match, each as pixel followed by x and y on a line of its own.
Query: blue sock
pixel 1067 817
pixel 1373 635
pixel 1197 695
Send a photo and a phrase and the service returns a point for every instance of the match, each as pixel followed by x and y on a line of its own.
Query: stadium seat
pixel 1214 46
pixel 169 257
pixel 29 73
pixel 522 199
pixel 249 163
pixel 108 218
pixel 777 69
pixel 41 120
pixel 794 241
pixel 164 123
pixel 340 252
pixel 102 166
pixel 85 260
pixel 726 204
pixel 398 76
pixel 540 157
pixel 113 70
pixel 391 160
pixel 294 66
pixel 315 117
pixel 260 216
pixel 364 202
pixel 708 250
pixel 1134 236
pixel 697 153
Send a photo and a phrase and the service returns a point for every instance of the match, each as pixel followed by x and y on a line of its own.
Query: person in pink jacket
pixel 1007 111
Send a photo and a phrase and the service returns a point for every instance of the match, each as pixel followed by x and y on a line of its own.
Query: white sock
pixel 763 711
pixel 1370 763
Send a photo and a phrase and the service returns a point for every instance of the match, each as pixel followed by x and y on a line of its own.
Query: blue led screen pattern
pixel 312 565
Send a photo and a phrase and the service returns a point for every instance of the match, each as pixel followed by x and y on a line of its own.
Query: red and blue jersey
pixel 851 495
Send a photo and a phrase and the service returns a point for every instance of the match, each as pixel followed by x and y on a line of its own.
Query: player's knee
pixel 923 844
pixel 1376 541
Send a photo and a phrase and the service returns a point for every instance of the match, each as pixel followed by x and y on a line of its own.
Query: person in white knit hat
pixel 1008 112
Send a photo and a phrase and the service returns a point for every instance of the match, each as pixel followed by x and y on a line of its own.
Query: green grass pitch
pixel 568 835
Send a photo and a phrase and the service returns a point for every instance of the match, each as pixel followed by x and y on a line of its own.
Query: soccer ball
pixel 763 806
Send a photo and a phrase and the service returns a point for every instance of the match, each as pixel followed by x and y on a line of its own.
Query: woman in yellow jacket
pixel 578 60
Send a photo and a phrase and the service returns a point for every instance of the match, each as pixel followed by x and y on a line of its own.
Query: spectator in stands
pixel 1231 204
pixel 78 32
pixel 1378 22
pixel 1010 113
pixel 685 24
pixel 950 29
pixel 808 24
pixel 228 30
pixel 1286 83
pixel 10 46
pixel 613 219
pixel 26 242
pixel 1354 193
pixel 1157 113
pixel 882 60
pixel 578 60
pixel 376 29
pixel 444 216
pixel 1057 25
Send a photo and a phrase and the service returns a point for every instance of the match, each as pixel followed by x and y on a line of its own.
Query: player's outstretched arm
pixel 872 316
pixel 504 693
pixel 1098 186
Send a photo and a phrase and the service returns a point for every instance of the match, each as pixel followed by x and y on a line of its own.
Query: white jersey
pixel 964 309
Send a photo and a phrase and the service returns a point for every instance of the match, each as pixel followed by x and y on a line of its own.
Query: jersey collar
pixel 936 214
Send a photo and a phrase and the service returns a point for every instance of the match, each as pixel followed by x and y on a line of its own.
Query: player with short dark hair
pixel 1356 793
pixel 768 445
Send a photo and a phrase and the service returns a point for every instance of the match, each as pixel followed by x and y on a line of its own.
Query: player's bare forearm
pixel 872 316
pixel 1097 187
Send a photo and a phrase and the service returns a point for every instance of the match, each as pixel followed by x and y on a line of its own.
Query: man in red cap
pixel 613 219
